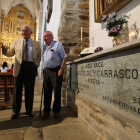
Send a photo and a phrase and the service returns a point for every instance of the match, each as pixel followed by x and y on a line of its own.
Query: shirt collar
pixel 52 44
pixel 29 40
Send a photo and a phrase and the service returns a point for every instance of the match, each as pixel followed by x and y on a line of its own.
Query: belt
pixel 53 69
pixel 27 62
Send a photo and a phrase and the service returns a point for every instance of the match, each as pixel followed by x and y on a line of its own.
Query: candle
pixel 81 34
pixel 131 36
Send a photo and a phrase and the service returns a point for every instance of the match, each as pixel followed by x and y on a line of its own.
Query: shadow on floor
pixel 66 112
pixel 22 121
pixel 25 121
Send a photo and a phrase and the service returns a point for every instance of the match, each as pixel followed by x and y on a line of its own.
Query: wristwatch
pixel 62 68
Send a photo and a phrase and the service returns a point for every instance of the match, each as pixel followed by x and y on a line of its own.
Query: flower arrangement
pixel 114 23
pixel 98 49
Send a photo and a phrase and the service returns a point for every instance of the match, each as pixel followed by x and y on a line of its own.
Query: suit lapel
pixel 33 43
pixel 21 46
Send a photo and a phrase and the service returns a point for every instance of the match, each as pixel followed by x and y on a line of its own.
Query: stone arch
pixel 24 2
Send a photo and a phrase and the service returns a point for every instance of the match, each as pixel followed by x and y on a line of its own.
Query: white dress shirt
pixel 4 69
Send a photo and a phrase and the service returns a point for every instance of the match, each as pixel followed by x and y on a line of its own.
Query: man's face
pixel 47 38
pixel 26 33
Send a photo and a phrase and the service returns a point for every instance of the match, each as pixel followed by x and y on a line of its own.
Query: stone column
pixel 39 39
pixel 74 15
pixel 40 24
pixel 37 28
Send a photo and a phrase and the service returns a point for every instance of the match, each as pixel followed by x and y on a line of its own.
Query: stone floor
pixel 68 127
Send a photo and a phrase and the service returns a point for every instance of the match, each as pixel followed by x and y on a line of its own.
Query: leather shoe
pixel 30 114
pixel 57 115
pixel 44 115
pixel 14 116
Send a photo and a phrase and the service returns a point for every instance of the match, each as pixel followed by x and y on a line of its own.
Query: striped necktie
pixel 25 58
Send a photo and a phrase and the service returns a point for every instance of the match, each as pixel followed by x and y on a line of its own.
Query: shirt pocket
pixel 54 55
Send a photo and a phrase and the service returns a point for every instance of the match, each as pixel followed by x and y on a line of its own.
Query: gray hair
pixel 50 33
pixel 30 28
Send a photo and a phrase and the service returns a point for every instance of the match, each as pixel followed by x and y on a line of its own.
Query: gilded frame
pixel 104 7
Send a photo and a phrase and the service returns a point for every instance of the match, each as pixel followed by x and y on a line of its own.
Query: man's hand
pixel 60 72
pixel 4 47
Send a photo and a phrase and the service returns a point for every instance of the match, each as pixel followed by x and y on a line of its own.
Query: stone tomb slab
pixel 113 79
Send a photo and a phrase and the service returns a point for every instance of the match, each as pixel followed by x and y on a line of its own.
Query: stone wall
pixel 75 13
pixel 104 122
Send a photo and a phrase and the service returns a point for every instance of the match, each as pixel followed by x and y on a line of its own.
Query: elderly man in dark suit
pixel 27 58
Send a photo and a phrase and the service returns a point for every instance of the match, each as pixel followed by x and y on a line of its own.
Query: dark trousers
pixel 52 82
pixel 26 76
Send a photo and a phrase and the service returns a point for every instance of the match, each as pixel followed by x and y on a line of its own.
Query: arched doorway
pixel 11 28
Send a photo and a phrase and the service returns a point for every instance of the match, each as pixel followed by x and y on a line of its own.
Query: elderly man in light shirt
pixel 54 62
pixel 27 58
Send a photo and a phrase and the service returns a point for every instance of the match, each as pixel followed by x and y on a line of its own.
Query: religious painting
pixel 21 14
pixel 20 23
pixel 18 30
pixel 104 7
pixel 6 26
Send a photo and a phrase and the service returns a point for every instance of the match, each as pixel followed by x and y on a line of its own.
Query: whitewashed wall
pixel 55 19
pixel 100 35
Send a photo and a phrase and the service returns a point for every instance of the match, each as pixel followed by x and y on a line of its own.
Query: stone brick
pixel 109 137
pixel 99 120
pixel 93 132
pixel 70 4
pixel 95 109
pixel 83 5
pixel 83 122
pixel 84 17
pixel 96 128
pixel 86 119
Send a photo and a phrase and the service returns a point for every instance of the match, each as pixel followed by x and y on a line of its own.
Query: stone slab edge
pixel 118 48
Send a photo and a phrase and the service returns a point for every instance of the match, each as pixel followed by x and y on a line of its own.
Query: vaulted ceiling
pixel 33 5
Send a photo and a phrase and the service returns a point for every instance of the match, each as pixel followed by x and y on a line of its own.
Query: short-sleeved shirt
pixel 54 55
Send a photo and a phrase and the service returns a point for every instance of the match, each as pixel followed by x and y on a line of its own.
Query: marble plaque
pixel 113 79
